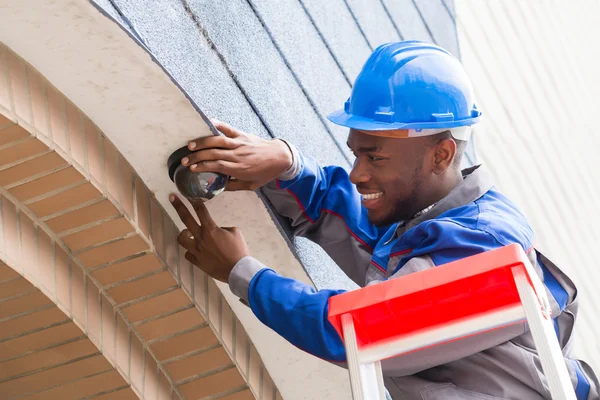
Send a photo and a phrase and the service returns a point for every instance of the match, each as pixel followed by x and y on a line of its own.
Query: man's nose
pixel 359 173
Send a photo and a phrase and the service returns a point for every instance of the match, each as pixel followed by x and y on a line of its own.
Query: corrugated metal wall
pixel 534 65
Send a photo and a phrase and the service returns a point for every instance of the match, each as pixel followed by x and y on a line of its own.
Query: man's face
pixel 390 174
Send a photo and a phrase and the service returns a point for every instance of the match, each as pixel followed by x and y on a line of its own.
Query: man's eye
pixel 375 158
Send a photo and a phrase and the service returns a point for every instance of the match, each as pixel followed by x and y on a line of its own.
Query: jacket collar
pixel 476 182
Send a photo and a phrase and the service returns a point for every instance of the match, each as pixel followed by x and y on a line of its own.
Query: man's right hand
pixel 252 161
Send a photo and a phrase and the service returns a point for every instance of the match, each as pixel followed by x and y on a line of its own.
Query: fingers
pixel 224 167
pixel 211 142
pixel 192 258
pixel 225 129
pixel 208 155
pixel 235 185
pixel 186 240
pixel 203 215
pixel 185 215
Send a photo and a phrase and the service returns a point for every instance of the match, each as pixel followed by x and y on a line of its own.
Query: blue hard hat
pixel 409 85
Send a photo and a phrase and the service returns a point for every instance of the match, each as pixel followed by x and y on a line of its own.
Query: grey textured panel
pixel 341 32
pixel 374 20
pixel 107 6
pixel 252 57
pixel 408 19
pixel 307 56
pixel 440 23
pixel 174 39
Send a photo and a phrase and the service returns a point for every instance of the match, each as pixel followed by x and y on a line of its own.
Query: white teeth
pixel 372 196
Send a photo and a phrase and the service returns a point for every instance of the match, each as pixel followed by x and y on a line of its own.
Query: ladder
pixel 472 296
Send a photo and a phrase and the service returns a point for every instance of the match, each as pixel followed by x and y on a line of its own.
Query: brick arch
pixel 81 228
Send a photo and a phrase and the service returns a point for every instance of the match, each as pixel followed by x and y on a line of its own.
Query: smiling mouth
pixel 372 196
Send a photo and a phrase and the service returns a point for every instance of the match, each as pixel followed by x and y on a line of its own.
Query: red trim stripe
pixel 378 266
pixel 327 211
pixel 400 252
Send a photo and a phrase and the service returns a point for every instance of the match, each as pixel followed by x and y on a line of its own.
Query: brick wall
pixel 96 297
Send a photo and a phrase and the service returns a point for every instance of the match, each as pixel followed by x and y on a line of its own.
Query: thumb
pixel 234 185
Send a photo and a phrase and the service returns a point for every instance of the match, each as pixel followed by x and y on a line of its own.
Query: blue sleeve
pixel 296 312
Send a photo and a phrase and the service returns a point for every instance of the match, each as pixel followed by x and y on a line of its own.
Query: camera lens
pixel 199 185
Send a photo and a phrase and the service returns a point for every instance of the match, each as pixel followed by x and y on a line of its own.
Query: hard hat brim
pixel 340 117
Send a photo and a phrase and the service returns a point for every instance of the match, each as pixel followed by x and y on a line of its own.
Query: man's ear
pixel 445 151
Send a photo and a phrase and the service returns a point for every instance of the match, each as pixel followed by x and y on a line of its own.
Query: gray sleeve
pixel 329 231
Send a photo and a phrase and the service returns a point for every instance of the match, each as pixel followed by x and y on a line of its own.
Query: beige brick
pixel 113 251
pixel 127 269
pixel 56 110
pixel 136 363
pixel 47 358
pixel 200 290
pixel 31 322
pixel 63 278
pixel 227 326
pixel 65 200
pixel 143 207
pixel 212 384
pixel 164 387
pixel 156 305
pixel 98 234
pixel 19 87
pixel 24 304
pixel 78 294
pixel 170 324
pixel 123 344
pixel 94 151
pixel 82 388
pixel 39 340
pixel 185 271
pixel 111 169
pixel 76 134
pixel 46 184
pixel 12 134
pixel 94 312
pixel 185 343
pixel 254 372
pixel 29 247
pixel 214 297
pixel 141 287
pixel 39 165
pixel 158 230
pixel 37 92
pixel 126 182
pixel 83 216
pixel 150 378
pixel 12 242
pixel 55 376
pixel 198 364
pixel 21 150
pixel 46 269
pixel 4 91
pixel 268 387
pixel 108 329
pixel 15 287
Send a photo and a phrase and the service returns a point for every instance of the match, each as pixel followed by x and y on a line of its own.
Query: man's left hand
pixel 213 249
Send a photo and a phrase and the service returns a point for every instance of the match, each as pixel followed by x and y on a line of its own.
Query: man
pixel 405 206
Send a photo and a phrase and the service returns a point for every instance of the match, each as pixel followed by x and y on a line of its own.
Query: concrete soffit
pixel 117 90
